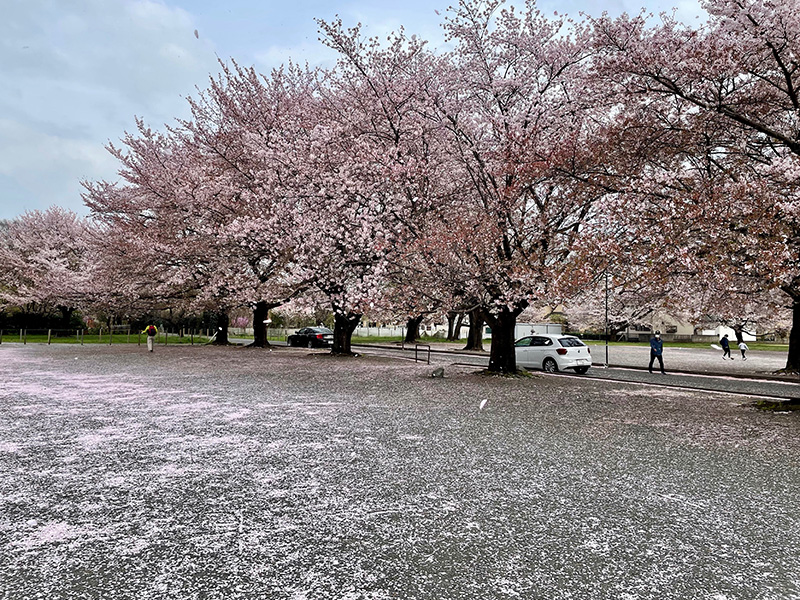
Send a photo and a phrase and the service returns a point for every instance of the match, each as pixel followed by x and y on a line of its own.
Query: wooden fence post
pixel 49 334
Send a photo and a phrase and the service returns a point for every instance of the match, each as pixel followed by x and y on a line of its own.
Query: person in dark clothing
pixel 726 347
pixel 656 350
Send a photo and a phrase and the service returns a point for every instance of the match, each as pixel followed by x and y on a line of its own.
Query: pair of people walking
pixel 726 348
pixel 657 350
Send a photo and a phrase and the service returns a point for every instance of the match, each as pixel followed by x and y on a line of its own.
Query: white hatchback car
pixel 553 353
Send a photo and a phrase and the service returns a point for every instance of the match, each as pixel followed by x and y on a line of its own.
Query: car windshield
pixel 570 342
pixel 320 330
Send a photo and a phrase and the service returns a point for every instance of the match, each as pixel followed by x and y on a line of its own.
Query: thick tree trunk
pixel 222 321
pixel 502 355
pixel 451 323
pixel 738 332
pixel 66 316
pixel 793 359
pixel 475 335
pixel 260 314
pixel 343 328
pixel 412 329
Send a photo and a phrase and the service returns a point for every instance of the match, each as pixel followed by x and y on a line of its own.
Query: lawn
pixel 41 336
pixel 761 346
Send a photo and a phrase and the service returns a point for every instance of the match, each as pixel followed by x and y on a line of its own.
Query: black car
pixel 311 337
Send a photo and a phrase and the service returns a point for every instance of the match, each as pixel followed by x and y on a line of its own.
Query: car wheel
pixel 310 344
pixel 581 370
pixel 550 366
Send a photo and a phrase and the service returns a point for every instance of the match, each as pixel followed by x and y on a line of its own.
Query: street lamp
pixel 605 366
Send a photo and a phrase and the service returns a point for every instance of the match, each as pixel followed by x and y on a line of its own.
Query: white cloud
pixel 315 54
pixel 47 169
pixel 74 74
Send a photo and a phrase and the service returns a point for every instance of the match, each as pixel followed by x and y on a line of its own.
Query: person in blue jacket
pixel 726 347
pixel 656 350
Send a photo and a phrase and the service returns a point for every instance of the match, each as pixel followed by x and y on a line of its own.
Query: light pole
pixel 605 366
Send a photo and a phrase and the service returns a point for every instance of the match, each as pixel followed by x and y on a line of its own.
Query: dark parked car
pixel 311 337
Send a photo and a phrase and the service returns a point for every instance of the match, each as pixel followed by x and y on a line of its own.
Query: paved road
pixel 688 368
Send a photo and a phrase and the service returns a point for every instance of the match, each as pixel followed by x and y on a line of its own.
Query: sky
pixel 75 74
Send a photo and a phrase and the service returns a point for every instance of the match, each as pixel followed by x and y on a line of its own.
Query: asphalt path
pixel 687 368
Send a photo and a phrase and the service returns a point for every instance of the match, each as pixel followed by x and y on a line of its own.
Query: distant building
pixel 722 330
pixel 523 329
pixel 674 329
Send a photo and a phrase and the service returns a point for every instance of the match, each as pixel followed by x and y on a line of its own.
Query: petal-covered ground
pixel 237 473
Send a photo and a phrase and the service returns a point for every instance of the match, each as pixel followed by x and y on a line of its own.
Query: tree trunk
pixel 222 322
pixel 475 335
pixel 793 359
pixel 451 323
pixel 412 329
pixel 66 316
pixel 454 320
pixel 502 355
pixel 260 314
pixel 737 331
pixel 343 328
pixel 457 331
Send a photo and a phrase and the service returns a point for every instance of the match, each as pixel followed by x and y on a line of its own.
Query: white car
pixel 553 353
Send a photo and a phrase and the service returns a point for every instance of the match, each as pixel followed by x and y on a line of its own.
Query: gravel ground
pixel 200 472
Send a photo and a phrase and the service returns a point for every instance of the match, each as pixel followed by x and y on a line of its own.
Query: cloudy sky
pixel 75 73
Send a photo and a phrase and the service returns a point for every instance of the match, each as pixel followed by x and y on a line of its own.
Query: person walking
pixel 656 350
pixel 152 332
pixel 726 347
pixel 743 347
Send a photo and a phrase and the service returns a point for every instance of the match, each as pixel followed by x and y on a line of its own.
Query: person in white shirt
pixel 743 347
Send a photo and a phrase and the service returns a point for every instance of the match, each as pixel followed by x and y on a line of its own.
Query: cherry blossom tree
pixel 374 172
pixel 735 78
pixel 205 197
pixel 46 261
pixel 523 138
pixel 156 252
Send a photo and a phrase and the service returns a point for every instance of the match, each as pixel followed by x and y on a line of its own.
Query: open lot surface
pixel 199 472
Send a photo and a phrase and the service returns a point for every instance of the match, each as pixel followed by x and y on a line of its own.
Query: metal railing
pixel 101 335
pixel 416 352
